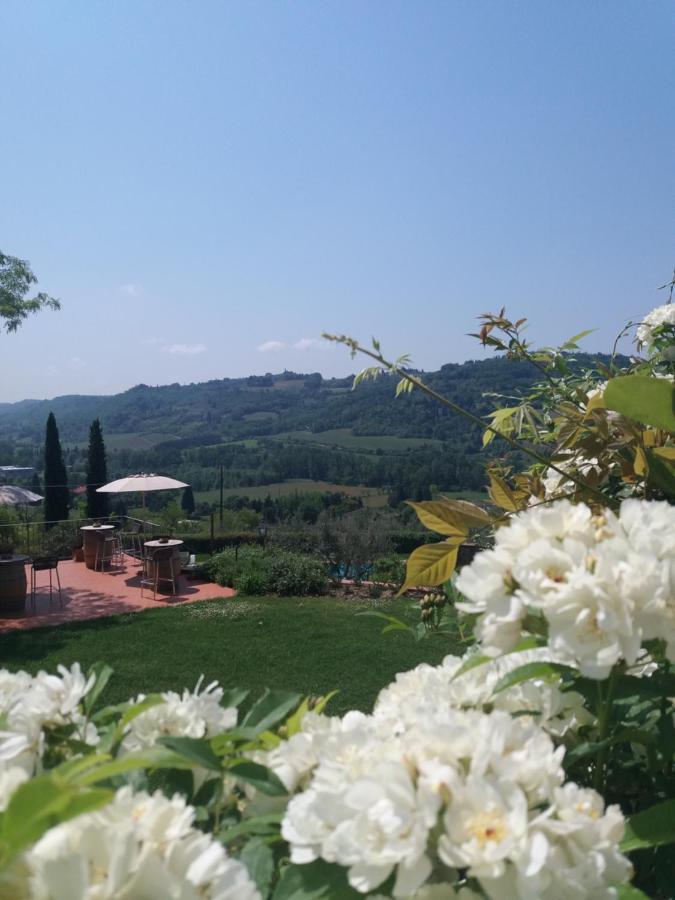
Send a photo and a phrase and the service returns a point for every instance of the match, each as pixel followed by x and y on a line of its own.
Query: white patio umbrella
pixel 141 483
pixel 10 495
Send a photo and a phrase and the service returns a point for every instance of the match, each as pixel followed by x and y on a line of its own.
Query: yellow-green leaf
pixel 640 466
pixel 665 452
pixel 473 516
pixel 502 421
pixel 431 564
pixel 439 516
pixel 644 399
pixel 502 494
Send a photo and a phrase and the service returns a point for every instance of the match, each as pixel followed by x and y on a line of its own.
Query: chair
pixel 188 563
pixel 106 549
pixel 44 564
pixel 156 565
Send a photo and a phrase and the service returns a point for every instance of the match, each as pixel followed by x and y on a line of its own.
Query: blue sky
pixel 208 186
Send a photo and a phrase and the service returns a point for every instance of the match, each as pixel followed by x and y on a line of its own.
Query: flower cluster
pixel 597 585
pixel 32 706
pixel 654 323
pixel 425 795
pixel 421 690
pixel 193 714
pixel 139 845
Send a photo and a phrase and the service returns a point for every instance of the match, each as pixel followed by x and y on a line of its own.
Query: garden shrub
pixel 251 570
pixel 389 568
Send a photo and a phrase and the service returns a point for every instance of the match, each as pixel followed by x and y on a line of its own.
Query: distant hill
pixel 230 409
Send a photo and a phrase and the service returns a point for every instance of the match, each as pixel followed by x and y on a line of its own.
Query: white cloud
pixel 131 289
pixel 153 341
pixel 185 349
pixel 77 363
pixel 306 344
pixel 271 346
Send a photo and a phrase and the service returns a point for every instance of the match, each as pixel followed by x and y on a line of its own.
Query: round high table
pixel 89 540
pixel 12 585
pixel 174 562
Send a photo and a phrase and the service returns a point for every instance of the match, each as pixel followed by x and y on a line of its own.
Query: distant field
pixel 261 416
pixel 343 437
pixel 371 496
pixel 134 440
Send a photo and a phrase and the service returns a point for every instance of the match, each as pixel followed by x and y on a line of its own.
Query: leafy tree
pixel 57 497
pixel 16 277
pixel 36 484
pixel 97 473
pixel 187 503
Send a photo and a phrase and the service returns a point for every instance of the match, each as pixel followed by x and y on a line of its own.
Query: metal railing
pixel 62 537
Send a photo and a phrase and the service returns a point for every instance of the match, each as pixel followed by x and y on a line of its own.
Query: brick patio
pixel 87 595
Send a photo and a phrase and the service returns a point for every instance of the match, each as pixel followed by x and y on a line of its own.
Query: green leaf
pixel 315 881
pixel 234 697
pixel 393 624
pixel 534 670
pixel 471 663
pixel 40 804
pixel 651 828
pixel 102 672
pixel 628 892
pixel 271 708
pixel 431 564
pixel 260 777
pixel 196 750
pixel 644 399
pixel 294 722
pixel 571 343
pixel 267 824
pixel 153 758
pixel 259 860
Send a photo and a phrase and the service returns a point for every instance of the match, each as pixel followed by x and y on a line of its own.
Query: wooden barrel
pixel 89 545
pixel 12 585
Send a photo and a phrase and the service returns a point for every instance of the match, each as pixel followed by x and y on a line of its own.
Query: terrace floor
pixel 87 594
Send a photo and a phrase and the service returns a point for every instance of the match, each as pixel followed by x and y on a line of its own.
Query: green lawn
pixel 312 645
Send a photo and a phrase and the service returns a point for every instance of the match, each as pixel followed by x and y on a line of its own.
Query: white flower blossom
pixel 138 846
pixel 478 790
pixel 599 585
pixel 30 706
pixel 660 316
pixel 193 714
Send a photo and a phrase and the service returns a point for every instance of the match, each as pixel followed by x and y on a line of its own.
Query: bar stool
pixel 152 564
pixel 44 564
pixel 105 550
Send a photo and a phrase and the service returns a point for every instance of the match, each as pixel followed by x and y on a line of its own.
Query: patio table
pixel 151 546
pixel 89 539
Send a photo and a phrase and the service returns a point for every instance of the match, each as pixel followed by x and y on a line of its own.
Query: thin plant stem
pixel 430 392
pixel 604 712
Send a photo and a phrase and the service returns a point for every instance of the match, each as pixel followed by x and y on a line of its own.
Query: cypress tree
pixel 36 485
pixel 57 497
pixel 187 502
pixel 97 473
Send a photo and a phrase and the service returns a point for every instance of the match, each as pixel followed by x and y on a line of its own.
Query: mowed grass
pixel 343 437
pixel 371 496
pixel 310 645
